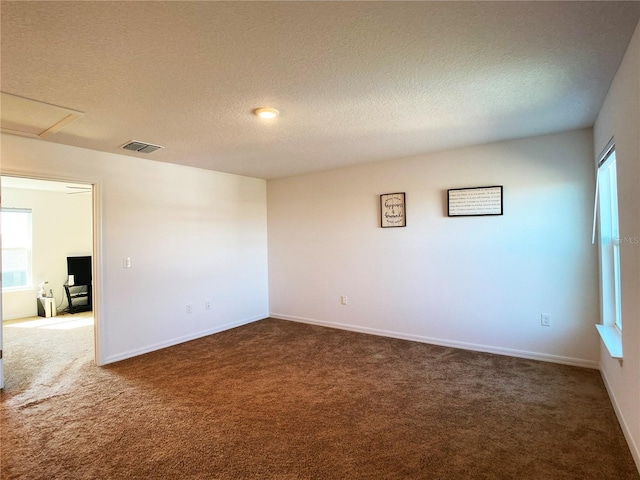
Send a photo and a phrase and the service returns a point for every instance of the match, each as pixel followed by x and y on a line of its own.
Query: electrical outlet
pixel 207 304
pixel 545 319
pixel 343 300
pixel 126 262
pixel 189 308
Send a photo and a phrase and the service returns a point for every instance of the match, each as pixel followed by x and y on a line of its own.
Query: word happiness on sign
pixel 392 210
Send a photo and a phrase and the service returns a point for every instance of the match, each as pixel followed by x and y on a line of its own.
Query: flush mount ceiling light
pixel 266 112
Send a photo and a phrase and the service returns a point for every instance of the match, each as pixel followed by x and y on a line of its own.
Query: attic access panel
pixel 32 118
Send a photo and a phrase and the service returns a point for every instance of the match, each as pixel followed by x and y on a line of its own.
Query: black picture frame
pixel 393 210
pixel 475 201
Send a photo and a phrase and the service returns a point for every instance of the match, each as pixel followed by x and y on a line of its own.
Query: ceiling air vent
pixel 136 146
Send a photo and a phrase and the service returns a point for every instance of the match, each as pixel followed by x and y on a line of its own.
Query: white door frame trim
pixel 96 194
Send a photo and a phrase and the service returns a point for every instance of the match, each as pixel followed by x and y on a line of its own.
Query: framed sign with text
pixel 393 211
pixel 466 202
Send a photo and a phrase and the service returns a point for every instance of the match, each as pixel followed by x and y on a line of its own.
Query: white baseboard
pixel 635 451
pixel 22 315
pixel 175 341
pixel 576 362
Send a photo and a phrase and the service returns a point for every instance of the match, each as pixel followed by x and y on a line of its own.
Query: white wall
pixel 473 282
pixel 620 117
pixel 61 227
pixel 192 235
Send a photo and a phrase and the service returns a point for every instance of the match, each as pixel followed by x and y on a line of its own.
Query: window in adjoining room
pixel 16 248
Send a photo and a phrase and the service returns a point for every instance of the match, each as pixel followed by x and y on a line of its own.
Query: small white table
pixel 47 306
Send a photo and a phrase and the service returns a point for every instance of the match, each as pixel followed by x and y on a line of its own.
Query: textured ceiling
pixel 355 81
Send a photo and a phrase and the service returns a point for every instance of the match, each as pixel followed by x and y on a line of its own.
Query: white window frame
pixel 610 328
pixel 28 248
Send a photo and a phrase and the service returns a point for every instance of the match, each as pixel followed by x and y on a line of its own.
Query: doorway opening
pixel 47 229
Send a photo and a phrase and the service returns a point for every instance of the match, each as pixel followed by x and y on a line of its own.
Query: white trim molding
pixel 576 362
pixel 633 447
pixel 186 338
pixel 612 339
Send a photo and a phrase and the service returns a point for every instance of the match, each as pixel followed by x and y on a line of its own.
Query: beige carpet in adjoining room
pixel 280 400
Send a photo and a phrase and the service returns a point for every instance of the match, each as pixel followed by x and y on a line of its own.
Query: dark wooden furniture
pixel 79 297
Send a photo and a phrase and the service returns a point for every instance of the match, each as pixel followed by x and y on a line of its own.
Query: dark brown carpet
pixel 280 400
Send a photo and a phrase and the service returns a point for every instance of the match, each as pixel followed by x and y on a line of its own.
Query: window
pixel 609 243
pixel 16 248
pixel 609 240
